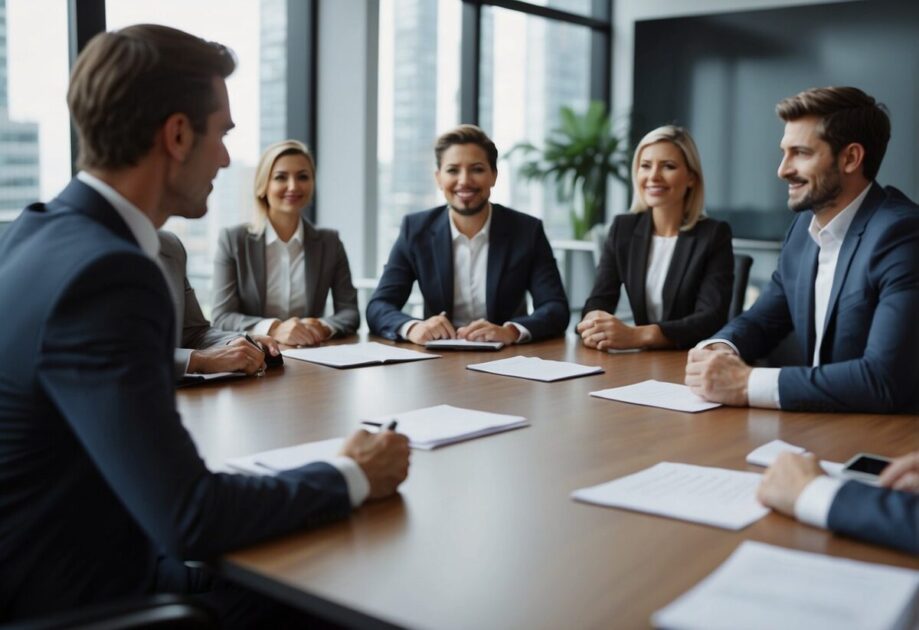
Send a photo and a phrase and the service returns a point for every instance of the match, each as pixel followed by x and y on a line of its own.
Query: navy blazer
pixel 878 515
pixel 697 289
pixel 519 260
pixel 868 356
pixel 98 478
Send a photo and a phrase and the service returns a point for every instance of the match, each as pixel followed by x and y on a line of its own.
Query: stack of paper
pixel 356 354
pixel 463 344
pixel 658 394
pixel 761 586
pixel 436 426
pixel 535 369
pixel 287 458
pixel 711 496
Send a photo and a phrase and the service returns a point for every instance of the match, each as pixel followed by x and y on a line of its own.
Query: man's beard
pixel 469 212
pixel 825 190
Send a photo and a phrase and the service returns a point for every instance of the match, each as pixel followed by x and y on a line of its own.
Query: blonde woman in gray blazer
pixel 273 276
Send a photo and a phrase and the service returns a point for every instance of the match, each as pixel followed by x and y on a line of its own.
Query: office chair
pixel 156 612
pixel 742 264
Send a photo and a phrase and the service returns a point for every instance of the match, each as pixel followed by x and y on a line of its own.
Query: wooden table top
pixel 484 533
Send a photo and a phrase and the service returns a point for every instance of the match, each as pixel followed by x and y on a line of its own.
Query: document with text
pixel 761 587
pixel 711 496
pixel 287 458
pixel 535 369
pixel 653 393
pixel 357 354
pixel 440 425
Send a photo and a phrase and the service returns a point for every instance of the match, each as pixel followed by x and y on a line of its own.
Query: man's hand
pixel 436 327
pixel 718 375
pixel 484 330
pixel 237 356
pixel 382 456
pixel 293 332
pixel 603 331
pixel 902 473
pixel 268 344
pixel 786 479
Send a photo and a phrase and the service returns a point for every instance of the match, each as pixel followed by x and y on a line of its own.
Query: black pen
pixel 261 371
pixel 253 342
pixel 390 426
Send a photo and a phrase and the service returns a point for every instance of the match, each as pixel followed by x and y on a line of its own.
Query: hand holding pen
pixel 382 456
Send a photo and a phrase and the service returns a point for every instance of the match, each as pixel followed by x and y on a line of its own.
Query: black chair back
pixel 742 264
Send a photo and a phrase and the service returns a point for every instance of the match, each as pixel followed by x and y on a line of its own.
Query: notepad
pixel 463 344
pixel 287 458
pixel 440 425
pixel 357 355
pixel 711 496
pixel 197 379
pixel 766 455
pixel 658 394
pixel 535 369
pixel 762 587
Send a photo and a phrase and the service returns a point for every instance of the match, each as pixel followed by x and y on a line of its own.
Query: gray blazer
pixel 240 279
pixel 193 331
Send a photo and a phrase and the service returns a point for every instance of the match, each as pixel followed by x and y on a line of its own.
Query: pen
pixel 389 426
pixel 261 371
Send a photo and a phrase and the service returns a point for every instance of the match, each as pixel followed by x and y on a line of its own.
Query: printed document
pixel 711 496
pixel 357 354
pixel 764 587
pixel 536 369
pixel 658 394
pixel 287 458
pixel 436 426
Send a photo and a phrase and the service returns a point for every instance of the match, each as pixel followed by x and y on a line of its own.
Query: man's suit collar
pixel 139 224
pixel 82 198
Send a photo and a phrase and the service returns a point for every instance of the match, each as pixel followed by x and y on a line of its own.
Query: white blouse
pixel 658 265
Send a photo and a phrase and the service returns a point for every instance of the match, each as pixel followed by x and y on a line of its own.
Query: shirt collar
pixel 271 236
pixel 138 223
pixel 482 233
pixel 837 228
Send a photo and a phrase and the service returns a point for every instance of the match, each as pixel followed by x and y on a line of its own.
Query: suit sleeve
pixel 877 515
pixel 883 379
pixel 608 285
pixel 347 318
pixel 550 304
pixel 111 333
pixel 226 308
pixel 384 311
pixel 714 297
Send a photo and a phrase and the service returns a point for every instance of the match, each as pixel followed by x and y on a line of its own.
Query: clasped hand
pixel 602 331
pixel 439 327
pixel 300 331
pixel 715 373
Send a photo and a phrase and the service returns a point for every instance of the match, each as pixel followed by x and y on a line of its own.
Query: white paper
pixel 765 587
pixel 535 369
pixel 356 354
pixel 444 424
pixel 463 344
pixel 766 455
pixel 287 458
pixel 194 379
pixel 711 496
pixel 658 394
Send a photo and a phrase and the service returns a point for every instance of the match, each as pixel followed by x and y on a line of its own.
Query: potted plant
pixel 580 156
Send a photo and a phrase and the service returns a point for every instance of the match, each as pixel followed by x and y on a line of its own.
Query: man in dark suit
pixel 201 348
pixel 886 515
pixel 474 261
pixel 847 283
pixel 102 492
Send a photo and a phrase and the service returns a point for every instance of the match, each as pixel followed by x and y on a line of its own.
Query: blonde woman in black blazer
pixel 676 264
pixel 273 276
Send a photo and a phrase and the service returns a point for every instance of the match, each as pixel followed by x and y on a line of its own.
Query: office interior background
pixel 369 84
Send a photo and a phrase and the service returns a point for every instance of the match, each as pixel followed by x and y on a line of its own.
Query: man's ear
pixel 178 136
pixel 852 157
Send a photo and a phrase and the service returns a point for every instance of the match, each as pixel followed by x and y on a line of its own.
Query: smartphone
pixel 865 467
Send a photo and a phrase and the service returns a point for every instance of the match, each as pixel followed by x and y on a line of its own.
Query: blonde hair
pixel 695 196
pixel 263 173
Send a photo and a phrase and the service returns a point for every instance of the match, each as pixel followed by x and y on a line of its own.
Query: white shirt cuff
pixel 707 342
pixel 813 504
pixel 403 330
pixel 525 335
pixel 332 329
pixel 763 388
pixel 358 486
pixel 262 327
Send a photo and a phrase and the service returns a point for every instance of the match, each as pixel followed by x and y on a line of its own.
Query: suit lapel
pixel 312 258
pixel 498 245
pixel 85 200
pixel 638 256
pixel 804 296
pixel 682 253
pixel 255 258
pixel 442 253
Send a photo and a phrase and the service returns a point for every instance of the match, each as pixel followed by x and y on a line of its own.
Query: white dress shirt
pixel 285 279
pixel 763 383
pixel 470 279
pixel 659 258
pixel 814 502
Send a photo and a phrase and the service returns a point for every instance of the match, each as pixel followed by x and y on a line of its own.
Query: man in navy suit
pixel 847 283
pixel 886 515
pixel 474 261
pixel 102 492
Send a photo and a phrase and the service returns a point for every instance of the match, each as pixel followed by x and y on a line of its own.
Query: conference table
pixel 484 533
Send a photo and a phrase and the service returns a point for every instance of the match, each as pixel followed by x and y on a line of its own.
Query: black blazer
pixel 697 290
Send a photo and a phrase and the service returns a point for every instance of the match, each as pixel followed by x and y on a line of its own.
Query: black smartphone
pixel 865 467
